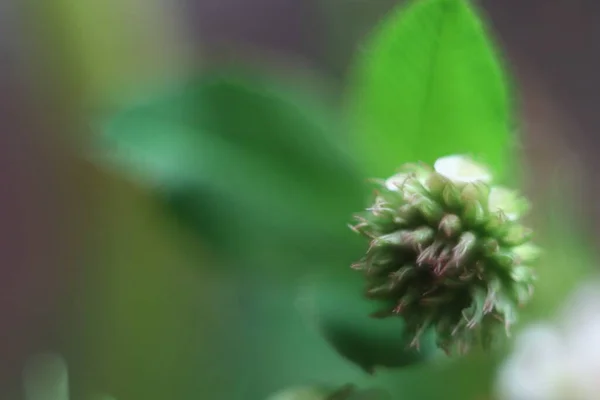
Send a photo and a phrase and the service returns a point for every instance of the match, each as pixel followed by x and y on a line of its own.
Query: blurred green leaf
pixel 241 157
pixel 281 347
pixel 260 171
pixel 370 394
pixel 346 392
pixel 427 84
pixel 302 393
pixel 341 314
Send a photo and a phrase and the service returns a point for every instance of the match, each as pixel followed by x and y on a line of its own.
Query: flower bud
pixel 448 252
pixel 451 197
pixel 450 225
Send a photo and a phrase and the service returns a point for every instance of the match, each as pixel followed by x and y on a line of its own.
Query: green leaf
pixel 347 392
pixel 342 315
pixel 261 171
pixel 427 84
pixel 240 158
pixel 302 393
pixel 370 394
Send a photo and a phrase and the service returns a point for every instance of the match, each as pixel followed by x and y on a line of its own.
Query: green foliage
pixel 342 315
pixel 244 160
pixel 427 84
pixel 347 392
pixel 260 172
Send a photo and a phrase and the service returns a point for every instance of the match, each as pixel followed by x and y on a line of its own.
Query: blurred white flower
pixel 560 361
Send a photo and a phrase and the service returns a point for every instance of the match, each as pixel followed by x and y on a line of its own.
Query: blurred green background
pixel 194 174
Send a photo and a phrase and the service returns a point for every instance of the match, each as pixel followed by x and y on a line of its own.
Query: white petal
pixel 505 200
pixel 462 169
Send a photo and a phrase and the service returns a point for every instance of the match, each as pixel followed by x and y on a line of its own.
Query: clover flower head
pixel 447 251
